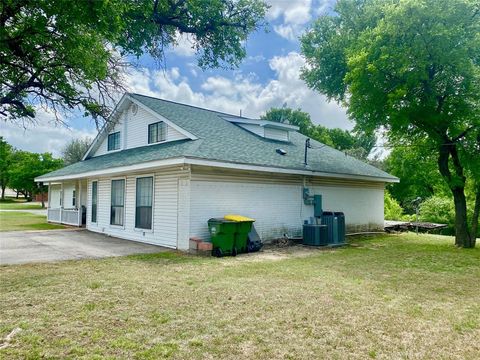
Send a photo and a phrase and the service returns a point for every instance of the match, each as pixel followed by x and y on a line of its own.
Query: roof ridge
pixel 183 104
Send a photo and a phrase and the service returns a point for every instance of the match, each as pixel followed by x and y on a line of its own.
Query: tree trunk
pixel 3 192
pixel 462 235
pixel 476 214
pixel 43 201
pixel 456 183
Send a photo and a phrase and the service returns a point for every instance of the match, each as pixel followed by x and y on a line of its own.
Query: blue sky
pixel 268 77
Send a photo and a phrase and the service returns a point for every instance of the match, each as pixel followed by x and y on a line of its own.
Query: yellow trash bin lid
pixel 233 217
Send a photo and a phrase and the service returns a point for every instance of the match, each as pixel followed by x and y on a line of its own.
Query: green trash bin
pixel 243 228
pixel 222 234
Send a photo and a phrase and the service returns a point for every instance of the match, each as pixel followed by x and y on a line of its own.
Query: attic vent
pixel 281 151
pixel 134 109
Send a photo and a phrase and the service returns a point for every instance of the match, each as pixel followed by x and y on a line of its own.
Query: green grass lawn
pixel 394 296
pixel 17 221
pixel 18 204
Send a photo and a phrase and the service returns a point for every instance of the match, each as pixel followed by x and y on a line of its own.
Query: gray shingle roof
pixel 221 140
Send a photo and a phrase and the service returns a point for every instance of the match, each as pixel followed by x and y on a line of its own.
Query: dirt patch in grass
pixel 18 221
pixel 402 296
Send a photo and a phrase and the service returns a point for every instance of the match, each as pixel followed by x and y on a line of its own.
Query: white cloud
pixel 43 135
pixel 245 92
pixel 294 15
pixel 183 45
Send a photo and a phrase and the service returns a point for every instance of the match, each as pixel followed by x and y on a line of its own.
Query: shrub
pixel 393 210
pixel 441 210
pixel 438 210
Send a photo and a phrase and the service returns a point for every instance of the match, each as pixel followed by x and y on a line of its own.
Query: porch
pixel 67 203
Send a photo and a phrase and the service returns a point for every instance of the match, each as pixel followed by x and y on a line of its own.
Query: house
pixel 158 170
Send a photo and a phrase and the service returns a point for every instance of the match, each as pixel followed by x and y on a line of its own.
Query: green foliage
pixel 26 166
pixel 417 170
pixel 75 150
pixel 67 54
pixel 399 62
pixel 291 116
pixel 439 210
pixel 411 68
pixel 354 143
pixel 393 210
pixel 5 161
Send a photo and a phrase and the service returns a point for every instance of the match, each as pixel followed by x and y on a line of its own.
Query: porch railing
pixel 53 215
pixel 70 216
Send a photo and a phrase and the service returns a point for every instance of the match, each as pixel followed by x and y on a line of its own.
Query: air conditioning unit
pixel 315 235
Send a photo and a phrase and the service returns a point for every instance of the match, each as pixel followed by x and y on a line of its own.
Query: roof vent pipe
pixel 307 146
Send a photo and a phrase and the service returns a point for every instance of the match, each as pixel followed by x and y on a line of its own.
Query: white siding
pixel 102 149
pixel 277 204
pixel 68 189
pixel 256 129
pixel 276 134
pixel 137 129
pixel 165 209
pixel 134 130
pixel 267 132
pixel 54 196
pixel 183 215
pixel 184 201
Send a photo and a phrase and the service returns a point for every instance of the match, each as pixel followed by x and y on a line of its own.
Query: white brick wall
pixel 276 202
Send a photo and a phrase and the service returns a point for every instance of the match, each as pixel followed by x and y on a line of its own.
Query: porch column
pixel 61 202
pixel 79 202
pixel 48 197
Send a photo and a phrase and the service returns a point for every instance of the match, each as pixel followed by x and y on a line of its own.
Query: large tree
pixel 75 150
pixel 65 54
pixel 25 167
pixel 412 68
pixel 5 161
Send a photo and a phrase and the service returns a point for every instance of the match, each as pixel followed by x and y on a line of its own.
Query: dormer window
pixel 264 128
pixel 157 132
pixel 114 141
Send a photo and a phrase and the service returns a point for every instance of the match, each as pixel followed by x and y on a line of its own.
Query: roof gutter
pixel 115 170
pixel 212 163
pixel 271 169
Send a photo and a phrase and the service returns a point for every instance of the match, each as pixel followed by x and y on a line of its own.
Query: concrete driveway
pixel 20 247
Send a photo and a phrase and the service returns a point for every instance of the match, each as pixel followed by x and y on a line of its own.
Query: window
pixel 117 202
pixel 94 202
pixel 114 141
pixel 144 200
pixel 157 132
pixel 74 200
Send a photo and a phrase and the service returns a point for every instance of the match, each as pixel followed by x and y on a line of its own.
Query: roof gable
pixel 114 118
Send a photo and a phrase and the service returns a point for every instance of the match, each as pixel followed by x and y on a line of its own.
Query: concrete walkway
pixel 20 247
